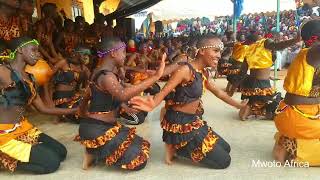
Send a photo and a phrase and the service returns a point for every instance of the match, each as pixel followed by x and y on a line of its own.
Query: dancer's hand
pixel 151 72
pixel 161 66
pixel 243 104
pixel 143 103
pixel 128 109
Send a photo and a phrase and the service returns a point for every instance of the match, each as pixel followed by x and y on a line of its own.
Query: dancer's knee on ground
pixel 218 158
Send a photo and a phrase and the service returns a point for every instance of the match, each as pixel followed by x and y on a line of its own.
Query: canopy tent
pixel 172 9
pixel 129 7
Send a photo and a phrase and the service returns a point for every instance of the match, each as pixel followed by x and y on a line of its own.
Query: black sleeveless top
pixel 68 77
pixel 191 91
pixel 100 100
pixel 20 92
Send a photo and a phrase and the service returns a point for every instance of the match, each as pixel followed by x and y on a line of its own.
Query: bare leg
pixel 87 160
pixel 279 153
pixel 170 151
pixel 244 112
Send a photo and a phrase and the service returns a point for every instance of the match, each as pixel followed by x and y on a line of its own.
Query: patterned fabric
pixel 114 144
pixel 10 163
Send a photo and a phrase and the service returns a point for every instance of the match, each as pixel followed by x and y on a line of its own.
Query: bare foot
pixel 87 160
pixel 279 153
pixel 244 113
pixel 170 151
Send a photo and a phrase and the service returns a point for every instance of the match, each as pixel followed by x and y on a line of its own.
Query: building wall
pixel 66 5
pixel 88 10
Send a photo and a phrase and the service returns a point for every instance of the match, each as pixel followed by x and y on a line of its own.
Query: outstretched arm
pixel 224 96
pixel 110 84
pixel 38 103
pixel 150 102
pixel 276 46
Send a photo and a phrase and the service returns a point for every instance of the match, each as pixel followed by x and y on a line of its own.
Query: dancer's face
pixel 212 55
pixel 119 55
pixel 144 48
pixel 30 54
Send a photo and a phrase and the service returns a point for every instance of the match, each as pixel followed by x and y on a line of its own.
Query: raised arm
pixel 110 83
pixel 275 46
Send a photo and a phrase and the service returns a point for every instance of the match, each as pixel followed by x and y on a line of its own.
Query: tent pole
pixel 234 19
pixel 278 30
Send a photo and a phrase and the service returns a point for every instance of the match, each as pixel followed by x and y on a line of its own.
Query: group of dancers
pixel 125 84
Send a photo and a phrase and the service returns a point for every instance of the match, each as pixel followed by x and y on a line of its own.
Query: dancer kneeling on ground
pixel 22 146
pixel 263 100
pixel 235 76
pixel 298 118
pixel 68 80
pixel 184 132
pixel 104 138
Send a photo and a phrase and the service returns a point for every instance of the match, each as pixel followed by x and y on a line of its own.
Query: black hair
pixel 16 42
pixel 3 46
pixel 79 18
pixel 311 28
pixel 203 40
pixel 68 23
pixel 99 18
pixel 48 8
pixel 108 43
pixel 253 37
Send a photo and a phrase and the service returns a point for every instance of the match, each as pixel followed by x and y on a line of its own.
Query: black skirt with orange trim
pixel 67 99
pixel 234 74
pixel 262 97
pixel 256 90
pixel 114 144
pixel 223 66
pixel 188 134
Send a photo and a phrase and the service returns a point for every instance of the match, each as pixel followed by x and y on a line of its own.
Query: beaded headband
pixel 102 54
pixel 12 54
pixel 220 47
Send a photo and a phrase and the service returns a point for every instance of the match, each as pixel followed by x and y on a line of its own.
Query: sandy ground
pixel 250 141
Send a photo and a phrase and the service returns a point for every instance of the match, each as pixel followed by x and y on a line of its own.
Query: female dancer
pixel 103 137
pixel 69 78
pixel 184 132
pixel 23 146
pixel 235 76
pixel 256 87
pixel 298 118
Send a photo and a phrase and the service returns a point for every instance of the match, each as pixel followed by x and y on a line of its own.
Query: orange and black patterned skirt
pixel 234 75
pixel 190 136
pixel 114 144
pixel 67 99
pixel 16 146
pixel 223 67
pixel 262 97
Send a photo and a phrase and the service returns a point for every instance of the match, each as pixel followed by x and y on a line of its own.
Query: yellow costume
pixel 299 125
pixel 259 92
